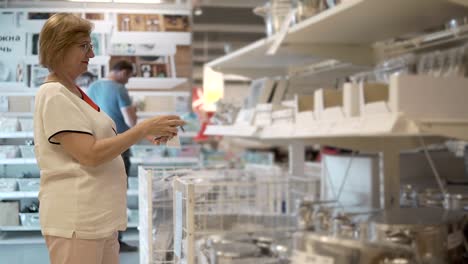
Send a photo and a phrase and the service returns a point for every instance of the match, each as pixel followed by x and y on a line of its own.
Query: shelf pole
pixel 390 177
pixel 296 158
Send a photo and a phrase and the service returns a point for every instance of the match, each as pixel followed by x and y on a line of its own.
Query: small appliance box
pixel 9 213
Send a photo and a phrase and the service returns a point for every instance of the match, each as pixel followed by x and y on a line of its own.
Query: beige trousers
pixel 83 251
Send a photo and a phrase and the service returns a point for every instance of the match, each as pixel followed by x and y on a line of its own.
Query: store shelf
pixel 157 93
pixel 20 228
pixel 367 21
pixel 19 134
pixel 100 60
pixel 34 60
pixel 22 238
pixel 154 83
pixel 16 114
pixel 160 38
pixel 460 2
pixel 152 114
pixel 345 32
pixel 21 195
pixel 235 131
pixel 18 161
pixel 178 160
pixel 38 228
pixel 34 237
pixel 16 89
pixel 323 74
pixel 18 195
pixel 252 61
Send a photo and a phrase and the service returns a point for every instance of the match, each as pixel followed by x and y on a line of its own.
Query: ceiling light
pixel 197 11
pixel 139 1
pixel 91 1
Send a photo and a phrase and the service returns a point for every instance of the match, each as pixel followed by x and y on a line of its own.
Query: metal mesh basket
pixel 229 201
pixel 156 213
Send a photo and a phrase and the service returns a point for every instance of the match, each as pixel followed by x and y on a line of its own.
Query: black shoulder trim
pixel 73 131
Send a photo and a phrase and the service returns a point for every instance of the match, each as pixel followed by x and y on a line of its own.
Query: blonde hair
pixel 59 32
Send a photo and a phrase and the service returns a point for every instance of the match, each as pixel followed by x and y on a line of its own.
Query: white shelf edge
pixel 18 161
pixel 154 83
pixel 157 93
pixel 388 125
pixel 18 134
pixel 17 114
pixel 232 130
pixel 161 38
pixel 179 160
pixel 34 194
pixel 38 228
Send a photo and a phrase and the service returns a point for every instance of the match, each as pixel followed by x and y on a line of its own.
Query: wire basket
pixel 180 206
pixel 156 213
pixel 229 201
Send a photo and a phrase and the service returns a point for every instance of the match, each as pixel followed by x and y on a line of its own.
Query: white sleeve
pixel 60 114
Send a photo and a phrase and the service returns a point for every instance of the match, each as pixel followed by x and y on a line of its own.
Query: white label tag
pixel 173 143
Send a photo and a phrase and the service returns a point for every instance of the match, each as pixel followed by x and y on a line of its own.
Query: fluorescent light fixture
pixel 139 1
pixel 120 1
pixel 92 1
pixel 197 11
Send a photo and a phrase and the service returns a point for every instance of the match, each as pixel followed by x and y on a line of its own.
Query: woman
pixel 83 182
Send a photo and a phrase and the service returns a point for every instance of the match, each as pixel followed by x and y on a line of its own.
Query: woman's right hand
pixel 161 126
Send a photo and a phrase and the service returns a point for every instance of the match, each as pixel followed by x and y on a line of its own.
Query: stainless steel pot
pixel 434 233
pixel 343 226
pixel 225 252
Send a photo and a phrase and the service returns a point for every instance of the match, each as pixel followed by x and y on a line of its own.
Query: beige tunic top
pixel 88 201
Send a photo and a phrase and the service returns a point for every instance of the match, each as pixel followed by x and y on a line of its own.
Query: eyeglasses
pixel 86 47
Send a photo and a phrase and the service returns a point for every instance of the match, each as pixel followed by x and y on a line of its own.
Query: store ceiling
pixel 222 27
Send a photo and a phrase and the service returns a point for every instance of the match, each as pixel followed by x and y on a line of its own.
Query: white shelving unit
pixel 21 195
pixel 18 134
pixel 154 83
pixel 162 38
pixel 165 161
pixel 348 33
pixel 345 32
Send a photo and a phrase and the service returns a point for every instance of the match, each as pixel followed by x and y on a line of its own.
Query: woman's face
pixel 77 57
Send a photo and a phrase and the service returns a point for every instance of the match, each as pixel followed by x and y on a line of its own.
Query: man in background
pixel 112 97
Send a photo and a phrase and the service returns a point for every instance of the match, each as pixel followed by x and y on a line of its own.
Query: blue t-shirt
pixel 111 96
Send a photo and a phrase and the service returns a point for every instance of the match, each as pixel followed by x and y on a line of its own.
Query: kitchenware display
pixel 407 196
pixel 430 197
pixel 455 201
pixel 435 234
pixel 308 8
pixel 311 247
pixel 226 251
pixel 456 23
pixel 274 12
pixel 447 63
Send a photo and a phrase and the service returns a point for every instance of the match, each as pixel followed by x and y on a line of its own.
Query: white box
pixel 9 214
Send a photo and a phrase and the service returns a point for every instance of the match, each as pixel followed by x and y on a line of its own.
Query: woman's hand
pixel 163 127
